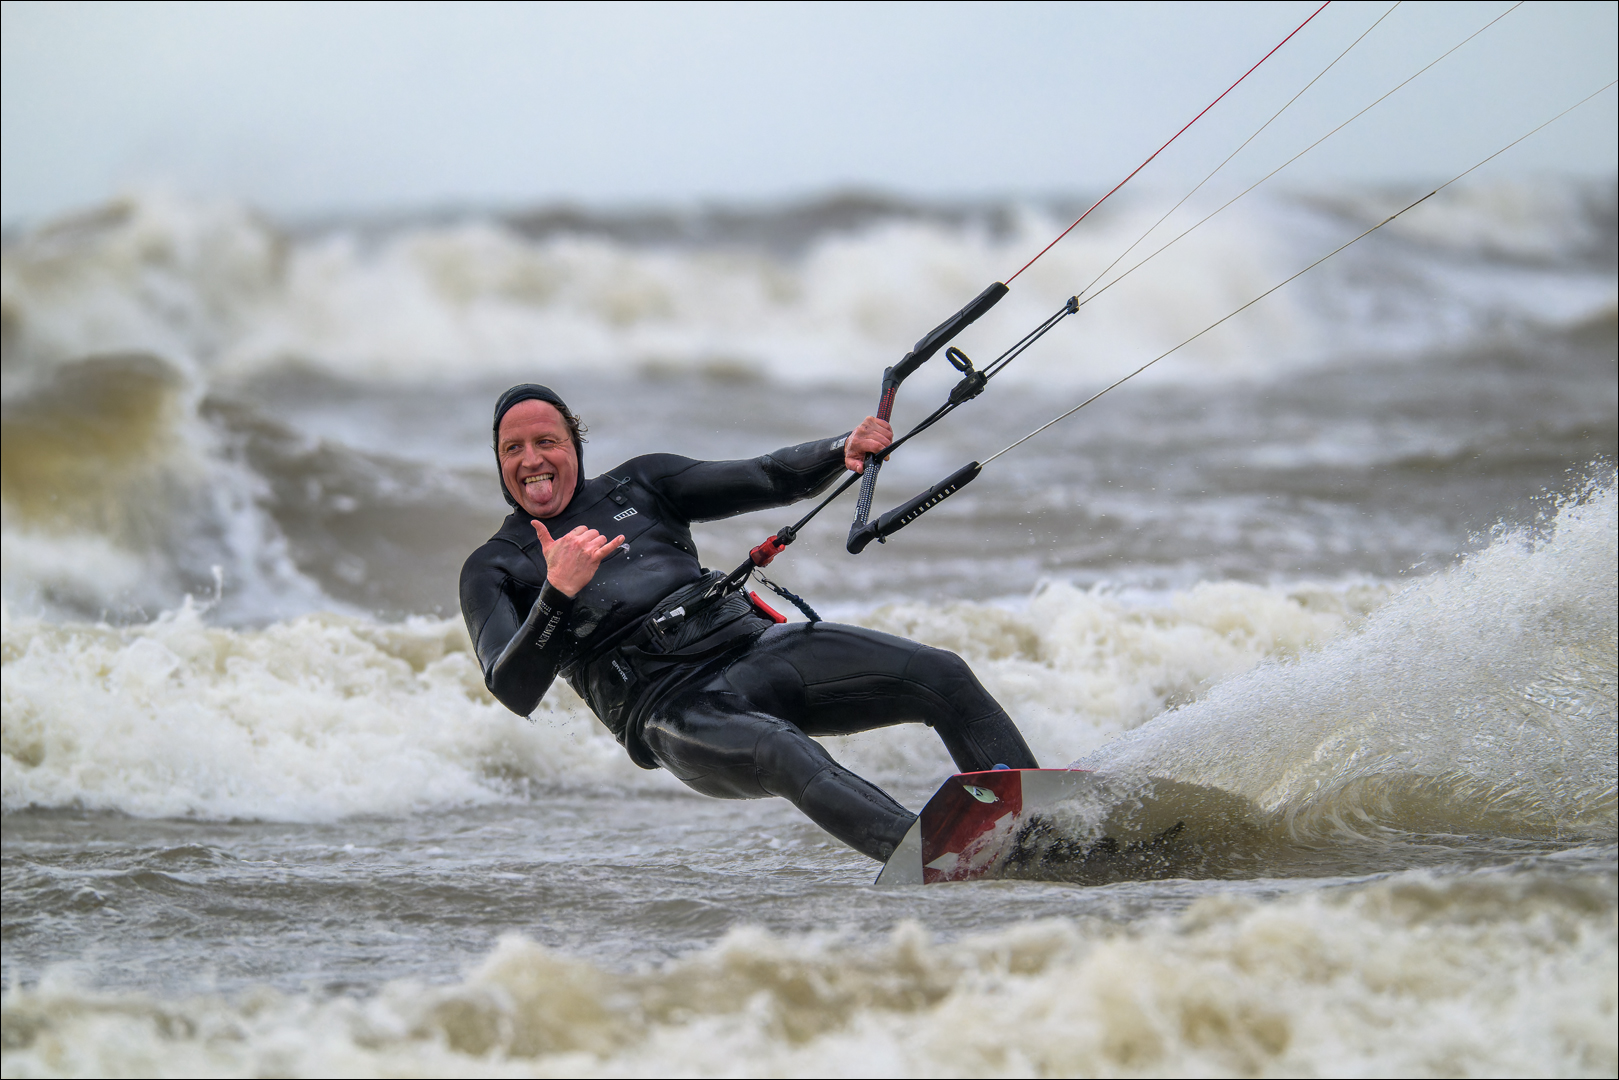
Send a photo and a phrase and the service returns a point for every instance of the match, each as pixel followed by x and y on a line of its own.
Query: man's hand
pixel 570 562
pixel 871 437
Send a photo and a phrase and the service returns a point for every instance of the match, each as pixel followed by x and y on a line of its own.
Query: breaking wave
pixel 137 472
pixel 1416 975
pixel 229 518
pixel 855 282
pixel 1480 700
pixel 329 715
pixel 138 337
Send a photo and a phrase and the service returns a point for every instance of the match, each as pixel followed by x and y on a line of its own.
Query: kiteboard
pixel 1066 824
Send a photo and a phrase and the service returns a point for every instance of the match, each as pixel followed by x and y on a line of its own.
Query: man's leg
pixel 744 732
pixel 715 742
pixel 831 679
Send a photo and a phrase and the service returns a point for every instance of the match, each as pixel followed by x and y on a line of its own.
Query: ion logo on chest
pixel 622 514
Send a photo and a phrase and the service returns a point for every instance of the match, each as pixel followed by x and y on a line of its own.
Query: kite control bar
pixel 937 339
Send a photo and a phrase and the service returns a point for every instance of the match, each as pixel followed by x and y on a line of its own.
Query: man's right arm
pixel 519 653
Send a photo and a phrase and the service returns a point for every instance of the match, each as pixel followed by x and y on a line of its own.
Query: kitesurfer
pixel 599 581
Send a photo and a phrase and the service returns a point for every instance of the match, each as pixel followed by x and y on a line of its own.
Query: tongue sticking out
pixel 539 488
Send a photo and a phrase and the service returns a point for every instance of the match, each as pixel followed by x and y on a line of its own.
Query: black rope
pixel 791 597
pixel 1000 362
pixel 973 382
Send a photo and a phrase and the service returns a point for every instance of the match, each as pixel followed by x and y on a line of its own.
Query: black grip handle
pixel 901 516
pixel 868 486
pixel 940 335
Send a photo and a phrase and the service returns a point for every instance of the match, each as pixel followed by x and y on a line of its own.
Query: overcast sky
pixel 375 107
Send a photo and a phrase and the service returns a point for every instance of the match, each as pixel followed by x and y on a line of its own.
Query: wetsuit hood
pixel 535 392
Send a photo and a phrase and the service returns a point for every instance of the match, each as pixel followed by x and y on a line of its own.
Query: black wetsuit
pixel 726 700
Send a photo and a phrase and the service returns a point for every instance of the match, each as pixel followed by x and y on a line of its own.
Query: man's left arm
pixel 705 490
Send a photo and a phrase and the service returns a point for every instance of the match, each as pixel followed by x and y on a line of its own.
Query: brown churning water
pixel 1340 579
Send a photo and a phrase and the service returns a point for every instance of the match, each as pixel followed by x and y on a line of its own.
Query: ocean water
pixel 1340 577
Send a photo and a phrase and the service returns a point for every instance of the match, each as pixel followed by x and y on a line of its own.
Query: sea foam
pixel 1480 699
pixel 1417 974
pixel 328 715
pixel 306 720
pixel 135 332
pixel 213 284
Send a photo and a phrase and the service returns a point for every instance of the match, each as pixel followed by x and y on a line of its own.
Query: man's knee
pixel 948 676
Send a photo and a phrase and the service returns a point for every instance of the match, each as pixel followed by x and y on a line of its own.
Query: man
pixel 599 581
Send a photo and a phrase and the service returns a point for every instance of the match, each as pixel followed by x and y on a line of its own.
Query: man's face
pixel 537 460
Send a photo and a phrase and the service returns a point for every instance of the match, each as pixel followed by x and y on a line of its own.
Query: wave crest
pixel 1481 700
pixel 1418 975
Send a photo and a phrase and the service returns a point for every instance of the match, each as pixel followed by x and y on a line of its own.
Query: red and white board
pixel 1070 825
pixel 968 828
